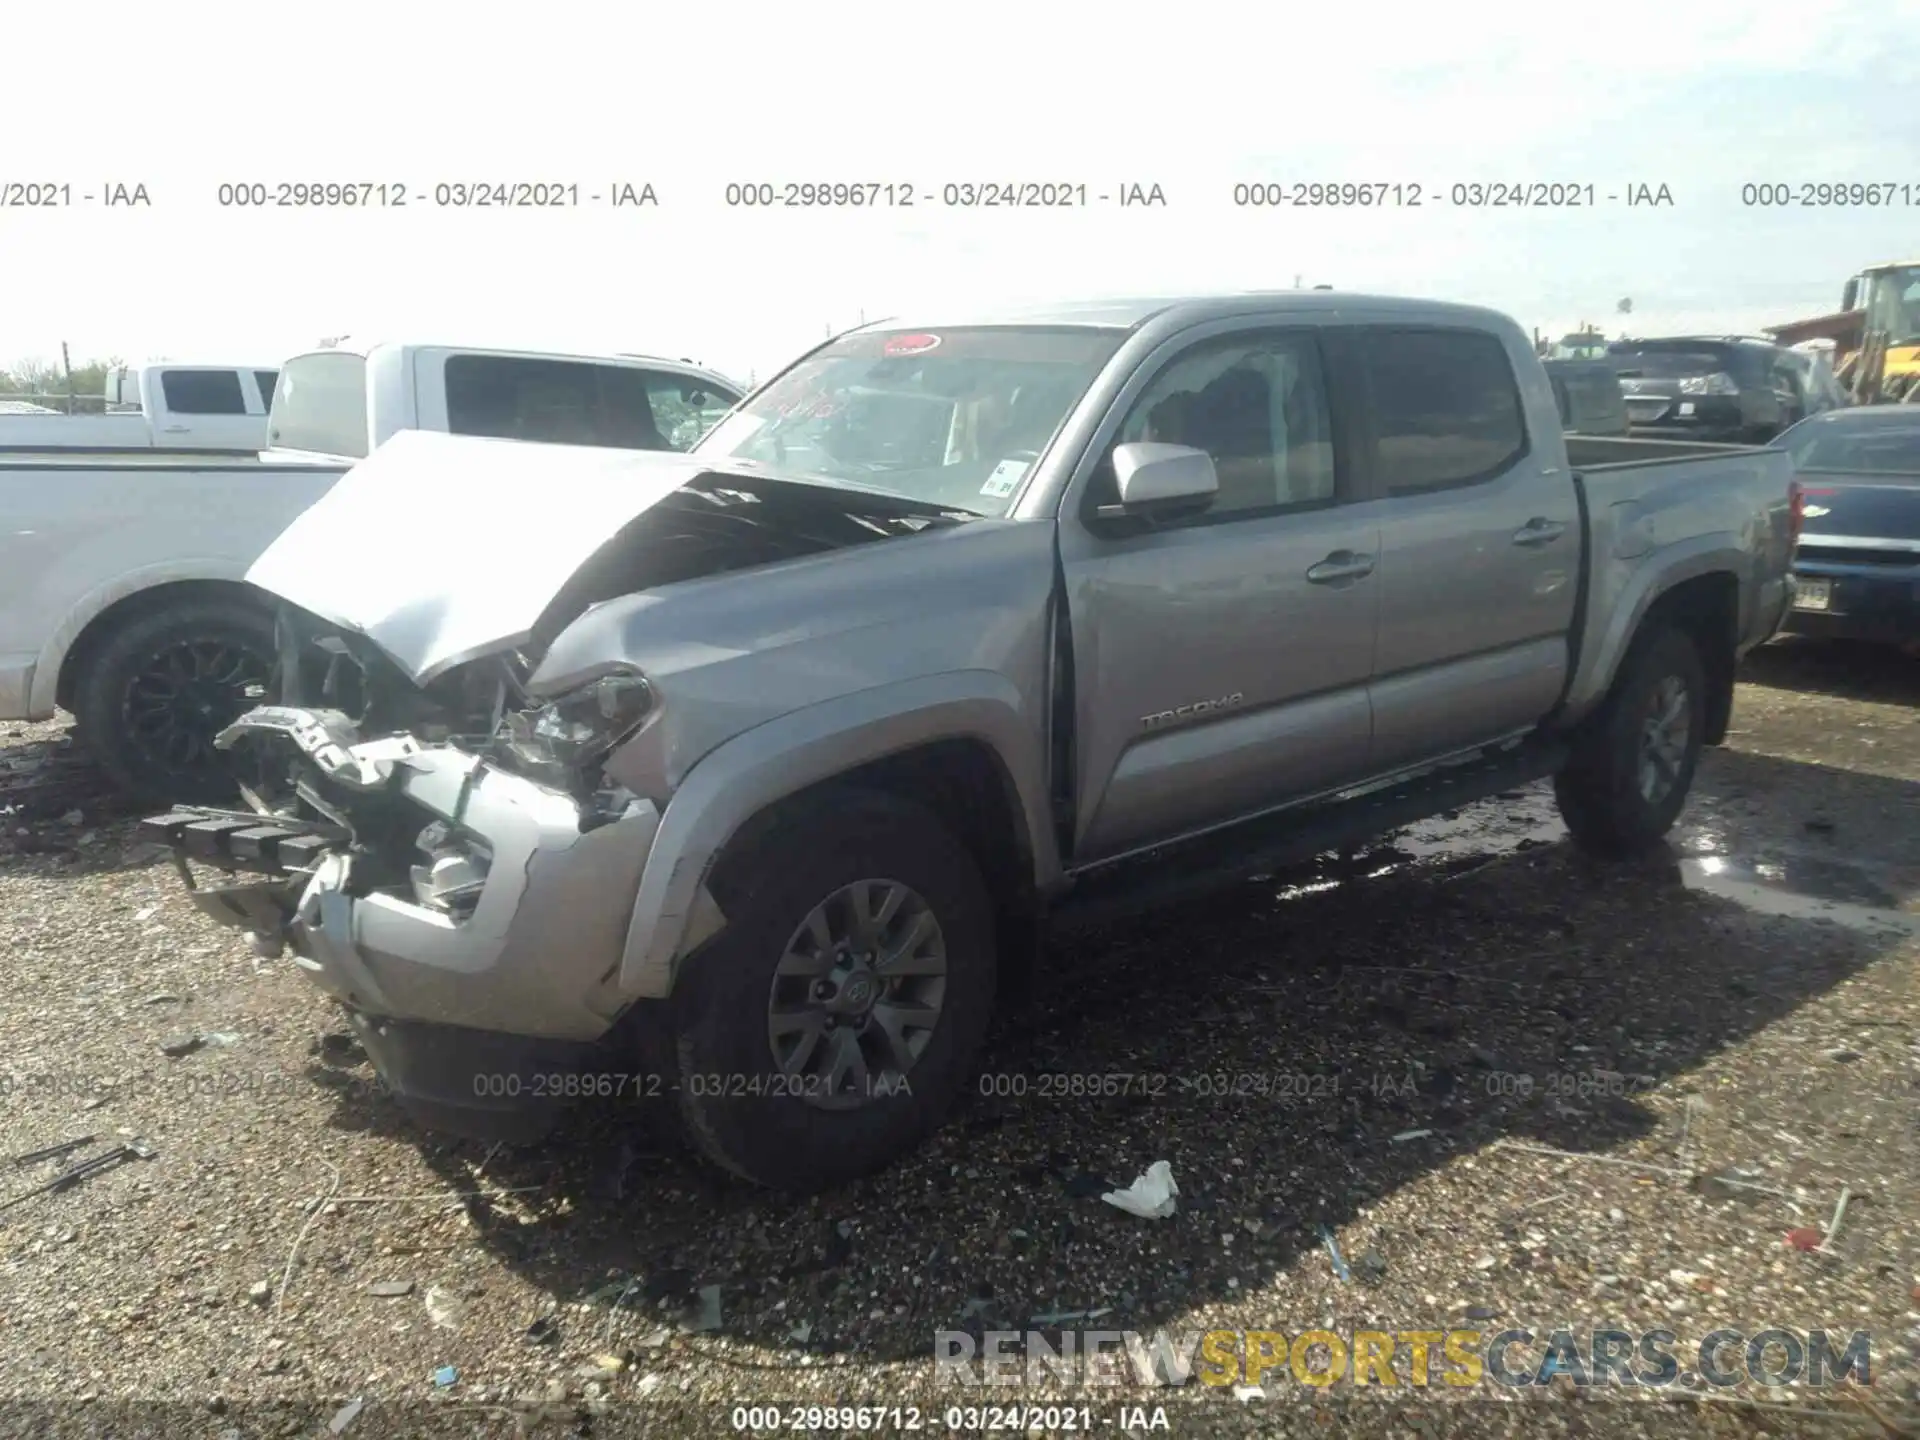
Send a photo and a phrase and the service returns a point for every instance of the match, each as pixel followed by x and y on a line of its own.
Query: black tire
pixel 738 1107
pixel 1600 793
pixel 214 657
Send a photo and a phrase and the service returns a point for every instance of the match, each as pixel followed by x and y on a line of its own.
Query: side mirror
pixel 1850 295
pixel 1153 478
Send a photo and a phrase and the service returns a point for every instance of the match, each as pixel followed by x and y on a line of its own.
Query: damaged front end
pixel 430 826
pixel 470 918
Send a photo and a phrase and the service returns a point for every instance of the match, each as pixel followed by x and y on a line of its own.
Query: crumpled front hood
pixel 441 548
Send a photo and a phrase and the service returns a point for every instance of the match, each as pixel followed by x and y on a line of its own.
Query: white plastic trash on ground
pixel 1152 1196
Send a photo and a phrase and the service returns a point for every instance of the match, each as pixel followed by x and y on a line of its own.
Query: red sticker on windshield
pixel 910 345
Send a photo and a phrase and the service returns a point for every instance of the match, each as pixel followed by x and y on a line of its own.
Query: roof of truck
pixel 1129 313
pixel 364 346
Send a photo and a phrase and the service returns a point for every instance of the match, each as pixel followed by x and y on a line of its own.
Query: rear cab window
pixel 580 402
pixel 320 405
pixel 1446 407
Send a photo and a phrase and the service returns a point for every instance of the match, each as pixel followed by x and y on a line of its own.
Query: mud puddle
pixel 1753 866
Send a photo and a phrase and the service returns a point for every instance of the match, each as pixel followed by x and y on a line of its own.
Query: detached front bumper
pixel 475 1015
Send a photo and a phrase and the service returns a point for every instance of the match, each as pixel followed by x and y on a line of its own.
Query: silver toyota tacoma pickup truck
pixel 748 776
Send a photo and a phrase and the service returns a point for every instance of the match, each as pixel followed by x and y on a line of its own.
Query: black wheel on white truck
pixel 1634 760
pixel 834 1021
pixel 159 688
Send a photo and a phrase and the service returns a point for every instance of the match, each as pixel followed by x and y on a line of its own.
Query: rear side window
pixel 202 392
pixel 574 402
pixel 1446 408
pixel 320 404
pixel 264 379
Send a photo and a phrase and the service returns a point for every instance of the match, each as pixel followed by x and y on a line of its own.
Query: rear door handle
pixel 1340 565
pixel 1539 532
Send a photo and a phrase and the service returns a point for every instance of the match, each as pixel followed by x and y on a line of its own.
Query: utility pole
pixel 66 363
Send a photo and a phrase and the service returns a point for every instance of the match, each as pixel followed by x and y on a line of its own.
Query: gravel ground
pixel 1506 1084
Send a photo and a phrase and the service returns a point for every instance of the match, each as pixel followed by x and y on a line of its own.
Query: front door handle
pixel 1539 532
pixel 1340 565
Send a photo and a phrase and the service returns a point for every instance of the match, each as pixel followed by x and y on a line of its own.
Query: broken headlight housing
pixel 574 731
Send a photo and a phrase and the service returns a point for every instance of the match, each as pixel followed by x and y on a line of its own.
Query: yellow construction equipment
pixel 1876 334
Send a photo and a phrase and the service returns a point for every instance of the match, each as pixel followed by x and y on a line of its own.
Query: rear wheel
pixel 830 1027
pixel 1633 764
pixel 162 686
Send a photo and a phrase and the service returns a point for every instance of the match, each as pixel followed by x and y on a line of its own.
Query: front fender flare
pixel 777 759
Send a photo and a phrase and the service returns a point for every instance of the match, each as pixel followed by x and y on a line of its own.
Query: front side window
pixel 956 418
pixel 1446 408
pixel 203 392
pixel 1258 406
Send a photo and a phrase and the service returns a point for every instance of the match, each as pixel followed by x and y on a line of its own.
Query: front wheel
pixel 1633 764
pixel 829 1028
pixel 160 688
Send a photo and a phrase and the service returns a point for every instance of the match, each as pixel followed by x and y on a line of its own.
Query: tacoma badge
pixel 1193 711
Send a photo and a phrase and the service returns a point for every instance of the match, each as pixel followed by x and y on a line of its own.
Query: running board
pixel 1226 857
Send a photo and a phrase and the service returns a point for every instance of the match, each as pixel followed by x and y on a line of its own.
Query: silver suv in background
pixel 749 776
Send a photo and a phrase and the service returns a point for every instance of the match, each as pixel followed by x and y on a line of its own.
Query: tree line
pixel 46 382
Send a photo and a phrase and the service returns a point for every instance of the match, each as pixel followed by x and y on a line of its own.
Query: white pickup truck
pixel 123 596
pixel 220 409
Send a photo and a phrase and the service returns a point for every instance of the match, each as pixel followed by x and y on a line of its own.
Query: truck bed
pixel 1600 452
pixel 98 457
pixel 1654 509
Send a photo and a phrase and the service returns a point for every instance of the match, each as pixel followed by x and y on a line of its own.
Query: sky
pixel 1703 99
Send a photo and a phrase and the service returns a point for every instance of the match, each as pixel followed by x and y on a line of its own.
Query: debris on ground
pixel 444 1308
pixel 390 1289
pixel 178 1045
pixel 1152 1196
pixel 706 1315
pixel 1538 984
pixel 446 1375
pixel 1333 1253
pixel 345 1416
pixel 51 1152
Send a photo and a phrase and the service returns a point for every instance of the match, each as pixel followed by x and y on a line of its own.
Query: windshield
pixel 956 418
pixel 1877 449
pixel 1893 305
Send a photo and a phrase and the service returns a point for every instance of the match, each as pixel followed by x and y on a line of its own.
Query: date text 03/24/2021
pixel 964 1419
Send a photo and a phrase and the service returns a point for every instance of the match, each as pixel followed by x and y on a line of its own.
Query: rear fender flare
pixel 782 757
pixel 1654 575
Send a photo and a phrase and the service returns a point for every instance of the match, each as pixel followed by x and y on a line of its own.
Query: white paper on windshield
pixel 1005 477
